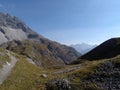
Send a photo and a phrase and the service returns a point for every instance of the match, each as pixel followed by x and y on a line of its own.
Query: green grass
pixel 26 76
pixel 87 69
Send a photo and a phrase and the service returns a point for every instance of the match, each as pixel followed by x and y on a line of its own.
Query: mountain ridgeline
pixel 16 36
pixel 107 49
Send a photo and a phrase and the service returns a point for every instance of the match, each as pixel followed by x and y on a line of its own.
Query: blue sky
pixel 68 21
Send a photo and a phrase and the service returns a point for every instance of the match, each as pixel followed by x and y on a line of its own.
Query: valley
pixel 29 61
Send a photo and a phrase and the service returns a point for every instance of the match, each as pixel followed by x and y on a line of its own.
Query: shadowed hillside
pixel 108 49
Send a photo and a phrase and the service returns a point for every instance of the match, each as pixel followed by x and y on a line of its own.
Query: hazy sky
pixel 68 21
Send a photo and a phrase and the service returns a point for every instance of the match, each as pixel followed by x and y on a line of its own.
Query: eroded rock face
pixel 11 28
pixel 9 34
pixel 58 84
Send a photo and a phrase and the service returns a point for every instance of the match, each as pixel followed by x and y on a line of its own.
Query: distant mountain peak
pixel 83 47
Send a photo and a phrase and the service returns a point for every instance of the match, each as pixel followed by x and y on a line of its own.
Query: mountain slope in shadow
pixel 107 49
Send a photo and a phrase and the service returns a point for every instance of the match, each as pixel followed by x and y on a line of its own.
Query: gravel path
pixel 7 68
pixel 68 70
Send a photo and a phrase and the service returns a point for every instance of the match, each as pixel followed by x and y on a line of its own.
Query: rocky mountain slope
pixel 43 54
pixel 11 28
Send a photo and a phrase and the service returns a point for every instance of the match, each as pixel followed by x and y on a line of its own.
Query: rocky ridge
pixel 14 30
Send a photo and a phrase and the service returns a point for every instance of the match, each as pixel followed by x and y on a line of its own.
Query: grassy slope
pixel 81 78
pixel 77 77
pixel 21 77
pixel 26 76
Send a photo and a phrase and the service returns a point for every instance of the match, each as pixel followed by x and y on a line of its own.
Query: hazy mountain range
pixel 83 47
